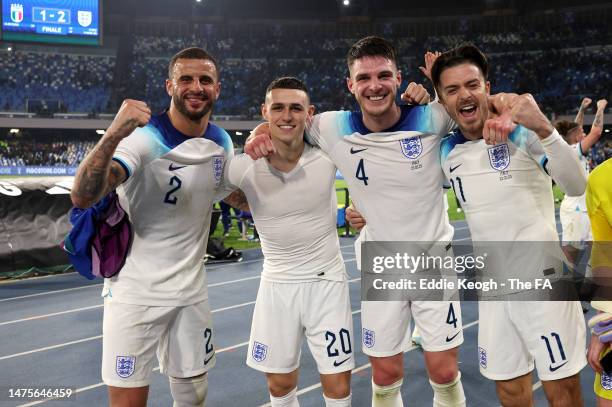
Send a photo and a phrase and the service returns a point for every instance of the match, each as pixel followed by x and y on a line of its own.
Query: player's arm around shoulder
pixel 236 168
pixel 98 174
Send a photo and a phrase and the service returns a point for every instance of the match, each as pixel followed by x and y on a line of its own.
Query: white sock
pixel 387 396
pixel 345 402
pixel 288 400
pixel 449 394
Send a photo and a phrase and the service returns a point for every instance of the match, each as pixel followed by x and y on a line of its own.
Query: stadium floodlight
pixel 9 49
pixel 14 131
pixel 198 1
pixel 346 2
pixel 607 130
pixel 239 133
pixel 100 132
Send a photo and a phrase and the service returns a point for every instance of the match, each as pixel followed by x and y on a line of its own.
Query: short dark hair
pixel 371 46
pixel 191 53
pixel 465 53
pixel 287 82
pixel 565 127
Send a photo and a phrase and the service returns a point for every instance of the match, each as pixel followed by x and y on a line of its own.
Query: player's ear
pixel 217 90
pixel 349 84
pixel 398 77
pixel 264 111
pixel 311 110
pixel 169 87
pixel 488 87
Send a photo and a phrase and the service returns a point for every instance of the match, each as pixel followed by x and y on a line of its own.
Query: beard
pixel 194 116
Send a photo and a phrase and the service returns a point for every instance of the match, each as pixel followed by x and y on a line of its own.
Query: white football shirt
pixel 172 182
pixel 506 194
pixel 394 176
pixel 295 215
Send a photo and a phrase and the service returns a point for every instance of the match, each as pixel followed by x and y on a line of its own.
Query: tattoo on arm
pixel 237 199
pixel 599 116
pixel 580 117
pixel 98 174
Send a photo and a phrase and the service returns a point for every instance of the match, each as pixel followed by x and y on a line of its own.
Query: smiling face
pixel 374 82
pixel 194 87
pixel 463 91
pixel 287 110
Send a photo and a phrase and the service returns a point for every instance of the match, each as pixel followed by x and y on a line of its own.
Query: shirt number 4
pixel 360 173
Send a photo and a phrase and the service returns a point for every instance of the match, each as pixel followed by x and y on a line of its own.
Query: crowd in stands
pixel 77 83
pixel 559 66
pixel 20 152
pixel 600 152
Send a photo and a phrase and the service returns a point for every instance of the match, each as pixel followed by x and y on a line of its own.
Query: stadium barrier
pixel 33 222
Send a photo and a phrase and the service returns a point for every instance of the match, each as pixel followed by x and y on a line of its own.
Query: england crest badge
pixel 259 352
pixel 84 18
pixel 369 338
pixel 499 157
pixel 412 147
pixel 606 381
pixel 125 366
pixel 16 13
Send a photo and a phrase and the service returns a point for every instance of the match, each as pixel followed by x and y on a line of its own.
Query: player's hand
pixel 601 104
pixel 131 114
pixel 501 102
pixel 416 94
pixel 586 102
pixel 525 111
pixel 595 349
pixel 354 218
pixel 430 58
pixel 497 128
pixel 259 144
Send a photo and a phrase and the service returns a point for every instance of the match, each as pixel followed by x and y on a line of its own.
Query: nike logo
pixel 173 168
pixel 451 169
pixel 552 369
pixel 336 363
pixel 452 337
pixel 353 151
pixel 209 358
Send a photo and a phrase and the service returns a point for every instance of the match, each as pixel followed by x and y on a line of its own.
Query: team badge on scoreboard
pixel 369 338
pixel 499 157
pixel 125 366
pixel 259 352
pixel 84 18
pixel 412 147
pixel 16 12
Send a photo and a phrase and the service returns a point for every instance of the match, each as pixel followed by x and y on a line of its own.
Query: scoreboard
pixel 52 21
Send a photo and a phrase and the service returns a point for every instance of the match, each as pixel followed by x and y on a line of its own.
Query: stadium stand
pixel 562 60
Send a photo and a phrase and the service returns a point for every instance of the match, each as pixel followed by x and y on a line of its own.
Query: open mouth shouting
pixel 468 111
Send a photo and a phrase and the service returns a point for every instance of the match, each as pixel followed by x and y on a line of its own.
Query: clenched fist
pixel 131 114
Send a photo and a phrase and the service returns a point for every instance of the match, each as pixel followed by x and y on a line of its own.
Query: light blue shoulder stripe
pixel 448 143
pixel 343 121
pixel 157 141
pixel 520 136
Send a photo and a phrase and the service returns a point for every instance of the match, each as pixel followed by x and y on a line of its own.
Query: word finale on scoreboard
pixel 35 19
